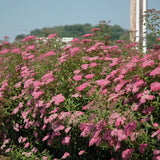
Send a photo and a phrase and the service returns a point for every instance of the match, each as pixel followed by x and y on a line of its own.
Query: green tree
pixel 78 30
pixel 153 27
pixel 117 32
pixel 36 32
pixel 20 36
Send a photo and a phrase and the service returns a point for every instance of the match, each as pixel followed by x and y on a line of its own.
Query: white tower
pixel 138 29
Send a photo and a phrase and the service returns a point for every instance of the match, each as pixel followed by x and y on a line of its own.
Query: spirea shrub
pixel 89 100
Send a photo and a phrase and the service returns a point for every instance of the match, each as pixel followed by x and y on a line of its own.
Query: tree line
pixel 78 30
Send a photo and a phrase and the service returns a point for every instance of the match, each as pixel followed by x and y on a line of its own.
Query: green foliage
pixel 20 36
pixel 94 99
pixel 153 27
pixel 78 30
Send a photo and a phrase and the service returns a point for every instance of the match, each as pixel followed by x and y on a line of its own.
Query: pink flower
pixel 8 150
pixel 31 47
pixel 6 141
pixel 84 66
pixel 76 71
pixel 88 35
pixel 63 115
pixel 17 85
pixel 95 47
pixel 156 133
pixel 76 95
pixel 6 42
pixel 148 63
pixel 26 145
pixel 16 50
pixel 155 86
pixel 34 150
pixel 79 113
pixel 45 158
pixel 81 152
pixel 89 76
pixel 156 152
pixel 118 146
pixel 74 51
pixel 119 133
pixel 95 29
pixel 75 40
pixel 16 127
pixel 46 137
pixel 137 85
pixel 52 35
pixel 147 110
pixel 77 77
pixel 58 99
pixel 66 140
pixel 28 38
pixel 95 140
pixel 107 135
pixel 67 129
pixel 102 82
pixel 93 58
pixel 155 125
pixel 28 154
pixel 15 111
pixel 35 134
pixel 142 147
pixel 52 117
pixel 113 64
pixel 48 77
pixel 119 41
pixel 51 53
pixel 30 56
pixel 119 86
pixel 20 139
pixel 3 51
pixel 37 94
pixel 86 129
pixel 43 127
pixel 128 128
pixel 57 128
pixel 145 96
pixel 155 72
pixel 55 110
pixel 6 37
pixel 93 64
pixel 25 114
pixel 66 154
pixel 82 86
pixel 119 78
pixel 28 82
pixel 127 154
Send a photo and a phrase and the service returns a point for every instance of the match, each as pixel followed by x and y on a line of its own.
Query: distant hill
pixel 78 30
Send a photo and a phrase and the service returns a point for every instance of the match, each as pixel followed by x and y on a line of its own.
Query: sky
pixel 22 16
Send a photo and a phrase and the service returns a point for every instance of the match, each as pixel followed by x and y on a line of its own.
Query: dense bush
pixel 94 99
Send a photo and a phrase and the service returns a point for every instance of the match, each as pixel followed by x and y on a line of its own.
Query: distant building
pixel 67 40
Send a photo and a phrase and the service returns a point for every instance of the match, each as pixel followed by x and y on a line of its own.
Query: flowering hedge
pixel 94 99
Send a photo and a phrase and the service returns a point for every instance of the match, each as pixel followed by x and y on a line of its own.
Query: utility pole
pixel 137 22
pixel 145 5
pixel 132 20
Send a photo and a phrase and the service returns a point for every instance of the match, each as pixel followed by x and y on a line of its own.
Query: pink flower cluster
pixel 89 89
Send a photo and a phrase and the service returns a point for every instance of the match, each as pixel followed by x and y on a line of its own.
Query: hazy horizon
pixel 20 16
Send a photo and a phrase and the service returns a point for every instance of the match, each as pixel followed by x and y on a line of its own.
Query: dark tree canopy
pixel 77 30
